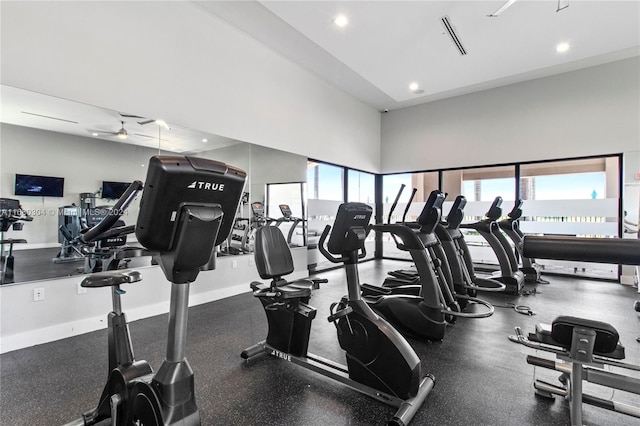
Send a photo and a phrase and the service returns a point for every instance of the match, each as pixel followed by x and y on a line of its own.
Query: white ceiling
pixel 29 109
pixel 386 46
pixel 389 44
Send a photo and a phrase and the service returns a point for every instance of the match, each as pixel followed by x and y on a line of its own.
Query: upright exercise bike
pixel 380 362
pixel 187 209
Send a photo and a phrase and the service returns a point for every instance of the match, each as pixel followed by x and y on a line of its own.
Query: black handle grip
pixel 395 202
pixel 325 253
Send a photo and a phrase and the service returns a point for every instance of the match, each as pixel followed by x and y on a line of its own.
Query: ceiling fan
pixel 122 133
pixel 144 121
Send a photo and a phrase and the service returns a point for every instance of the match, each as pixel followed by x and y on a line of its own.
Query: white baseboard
pixel 86 325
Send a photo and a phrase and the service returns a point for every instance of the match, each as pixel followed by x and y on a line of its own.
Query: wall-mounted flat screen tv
pixel 114 190
pixel 42 186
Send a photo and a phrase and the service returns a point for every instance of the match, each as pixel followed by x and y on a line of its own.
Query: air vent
pixel 452 34
pixel 49 117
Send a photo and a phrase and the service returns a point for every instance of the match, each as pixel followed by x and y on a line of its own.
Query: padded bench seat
pixel 560 332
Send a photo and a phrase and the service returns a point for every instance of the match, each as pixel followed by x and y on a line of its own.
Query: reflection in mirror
pixel 43 136
pixel 289 200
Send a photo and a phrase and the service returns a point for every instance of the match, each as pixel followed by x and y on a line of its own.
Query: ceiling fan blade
pixel 130 115
pixel 142 123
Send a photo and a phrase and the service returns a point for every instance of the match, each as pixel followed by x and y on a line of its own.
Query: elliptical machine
pixel 421 304
pixel 460 262
pixel 511 226
pixel 287 217
pixel 488 227
pixel 380 362
pixel 187 209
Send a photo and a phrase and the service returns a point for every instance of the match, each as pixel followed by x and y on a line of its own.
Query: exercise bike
pixel 380 362
pixel 186 210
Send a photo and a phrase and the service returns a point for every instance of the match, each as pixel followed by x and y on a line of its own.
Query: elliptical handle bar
pixel 406 209
pixel 395 202
pixel 114 214
pixel 324 251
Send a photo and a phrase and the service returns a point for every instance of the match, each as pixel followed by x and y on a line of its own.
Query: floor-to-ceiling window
pixel 404 196
pixel 325 192
pixel 576 198
pixel 579 197
pixel 480 186
pixel 570 197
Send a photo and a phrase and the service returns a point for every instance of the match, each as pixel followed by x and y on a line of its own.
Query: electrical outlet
pixel 251 261
pixel 38 294
pixel 81 290
pixel 234 264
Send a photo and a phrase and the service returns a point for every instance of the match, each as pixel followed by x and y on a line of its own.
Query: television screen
pixel 114 190
pixel 43 186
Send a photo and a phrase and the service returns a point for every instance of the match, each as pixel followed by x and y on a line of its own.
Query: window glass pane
pixel 361 187
pixel 572 197
pixel 325 182
pixel 325 192
pixel 593 178
pixel 423 183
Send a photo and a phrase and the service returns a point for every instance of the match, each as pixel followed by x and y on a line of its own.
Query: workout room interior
pixel 404 107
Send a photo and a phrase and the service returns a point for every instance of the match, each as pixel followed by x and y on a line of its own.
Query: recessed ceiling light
pixel 94 134
pixel 562 47
pixel 205 140
pixel 341 21
pixel 415 89
pixel 162 123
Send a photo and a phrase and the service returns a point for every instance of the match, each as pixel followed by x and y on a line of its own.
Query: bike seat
pixel 560 333
pixel 129 252
pixel 280 292
pixel 111 278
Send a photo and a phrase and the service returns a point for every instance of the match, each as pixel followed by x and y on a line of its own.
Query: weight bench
pixel 583 347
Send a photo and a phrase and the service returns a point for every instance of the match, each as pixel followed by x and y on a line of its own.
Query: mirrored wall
pixel 81 147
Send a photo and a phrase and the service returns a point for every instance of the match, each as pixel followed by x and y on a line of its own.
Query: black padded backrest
pixel 456 214
pixel 495 211
pixel 606 336
pixel 271 253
